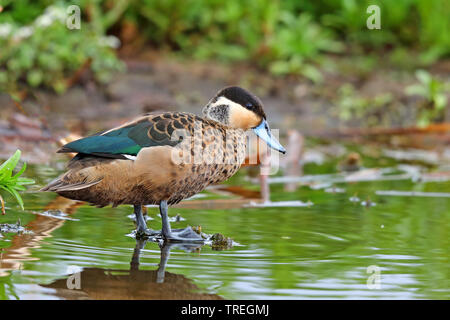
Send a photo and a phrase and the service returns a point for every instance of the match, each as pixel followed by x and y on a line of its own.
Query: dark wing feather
pixel 149 131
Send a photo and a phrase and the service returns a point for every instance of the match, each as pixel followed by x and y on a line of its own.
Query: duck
pixel 161 159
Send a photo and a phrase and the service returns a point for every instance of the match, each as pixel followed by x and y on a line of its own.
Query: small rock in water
pixel 351 163
pixel 219 241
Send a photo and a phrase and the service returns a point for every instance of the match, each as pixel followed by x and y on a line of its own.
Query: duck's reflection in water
pixel 99 284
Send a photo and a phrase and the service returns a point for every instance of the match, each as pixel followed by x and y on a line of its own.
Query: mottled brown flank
pixel 153 176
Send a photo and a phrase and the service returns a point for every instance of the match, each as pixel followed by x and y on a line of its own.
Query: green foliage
pixel 353 106
pixel 284 37
pixel 263 31
pixel 298 40
pixel 432 91
pixel 205 29
pixel 46 53
pixel 13 183
pixel 418 24
pixel 291 37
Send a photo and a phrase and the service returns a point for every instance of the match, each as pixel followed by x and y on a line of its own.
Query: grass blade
pixel 13 184
pixel 8 166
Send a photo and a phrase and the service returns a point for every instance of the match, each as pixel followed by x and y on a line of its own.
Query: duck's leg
pixel 165 254
pixel 177 235
pixel 140 244
pixel 141 226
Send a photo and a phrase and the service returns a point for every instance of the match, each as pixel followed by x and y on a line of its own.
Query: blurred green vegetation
pixel 282 37
pixel 279 31
pixel 39 50
pixel 432 91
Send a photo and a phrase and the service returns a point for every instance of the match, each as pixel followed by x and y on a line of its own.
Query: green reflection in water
pixel 321 251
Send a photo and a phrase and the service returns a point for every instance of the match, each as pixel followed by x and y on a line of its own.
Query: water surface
pixel 321 251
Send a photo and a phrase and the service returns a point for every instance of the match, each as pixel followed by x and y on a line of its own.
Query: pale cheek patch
pixel 238 116
pixel 243 118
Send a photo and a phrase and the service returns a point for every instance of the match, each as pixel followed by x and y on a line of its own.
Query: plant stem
pixel 2 203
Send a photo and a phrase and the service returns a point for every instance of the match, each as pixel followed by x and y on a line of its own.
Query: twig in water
pixel 3 205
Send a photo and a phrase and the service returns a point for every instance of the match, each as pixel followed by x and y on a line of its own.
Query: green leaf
pixel 18 198
pixel 22 170
pixel 24 181
pixel 35 78
pixel 19 187
pixel 13 184
pixel 312 73
pixel 440 101
pixel 416 89
pixel 5 188
pixel 423 76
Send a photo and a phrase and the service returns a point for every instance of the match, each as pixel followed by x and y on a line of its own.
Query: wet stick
pixel 265 171
pixel 293 167
pixel 3 205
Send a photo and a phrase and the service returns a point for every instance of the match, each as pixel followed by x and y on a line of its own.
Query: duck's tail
pixel 59 185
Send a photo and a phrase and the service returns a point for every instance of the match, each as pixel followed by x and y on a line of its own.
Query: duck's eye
pixel 249 105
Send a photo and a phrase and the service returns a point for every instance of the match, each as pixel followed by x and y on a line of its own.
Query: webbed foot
pixel 176 235
pixel 183 235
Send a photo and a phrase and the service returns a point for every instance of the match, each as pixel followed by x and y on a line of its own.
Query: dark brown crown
pixel 244 98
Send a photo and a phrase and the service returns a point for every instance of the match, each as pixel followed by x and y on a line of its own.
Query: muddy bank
pixel 153 83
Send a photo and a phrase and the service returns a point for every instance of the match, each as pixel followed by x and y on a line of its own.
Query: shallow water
pixel 320 251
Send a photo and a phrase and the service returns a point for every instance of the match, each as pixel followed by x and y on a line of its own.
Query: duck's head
pixel 237 108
